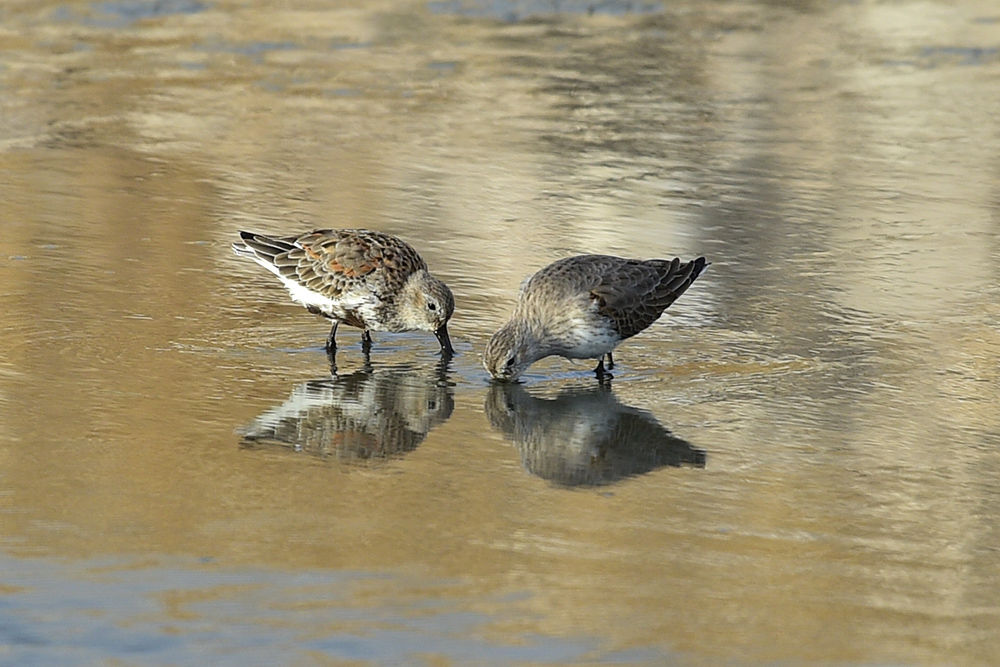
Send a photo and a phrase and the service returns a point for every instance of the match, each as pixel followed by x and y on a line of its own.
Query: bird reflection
pixel 370 414
pixel 586 436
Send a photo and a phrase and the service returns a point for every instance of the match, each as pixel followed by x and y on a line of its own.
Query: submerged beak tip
pixel 444 339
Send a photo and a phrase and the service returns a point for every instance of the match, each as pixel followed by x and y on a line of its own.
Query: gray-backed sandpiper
pixel 582 307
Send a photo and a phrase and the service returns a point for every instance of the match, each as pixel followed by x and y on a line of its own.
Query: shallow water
pixel 797 465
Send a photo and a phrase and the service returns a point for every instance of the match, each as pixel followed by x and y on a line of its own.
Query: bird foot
pixel 603 376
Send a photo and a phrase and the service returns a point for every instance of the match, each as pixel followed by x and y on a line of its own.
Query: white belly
pixel 362 304
pixel 307 297
pixel 587 341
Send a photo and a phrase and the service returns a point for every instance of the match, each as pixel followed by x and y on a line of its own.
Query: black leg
pixel 332 356
pixel 611 361
pixel 602 375
pixel 331 340
pixel 366 342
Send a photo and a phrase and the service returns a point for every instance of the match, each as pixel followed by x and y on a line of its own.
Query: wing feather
pixel 631 293
pixel 331 262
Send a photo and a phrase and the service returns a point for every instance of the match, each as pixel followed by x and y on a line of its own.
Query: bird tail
pixel 243 250
pixel 260 247
pixel 680 276
pixel 698 265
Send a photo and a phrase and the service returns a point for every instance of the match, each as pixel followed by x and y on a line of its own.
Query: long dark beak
pixel 442 336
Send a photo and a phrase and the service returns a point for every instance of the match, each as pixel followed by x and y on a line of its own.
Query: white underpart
pixel 362 303
pixel 587 341
pixel 590 335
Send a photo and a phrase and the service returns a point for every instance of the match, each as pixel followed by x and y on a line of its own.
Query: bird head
pixel 427 305
pixel 510 352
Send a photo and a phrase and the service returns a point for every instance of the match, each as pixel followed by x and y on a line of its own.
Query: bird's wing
pixel 331 261
pixel 633 294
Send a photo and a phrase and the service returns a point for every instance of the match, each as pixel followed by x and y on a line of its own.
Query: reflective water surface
pixel 797 465
pixel 368 414
pixel 584 436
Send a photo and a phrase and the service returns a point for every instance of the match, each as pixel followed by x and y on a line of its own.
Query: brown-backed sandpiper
pixel 366 279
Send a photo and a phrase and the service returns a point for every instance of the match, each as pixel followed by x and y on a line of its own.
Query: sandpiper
pixel 582 307
pixel 366 279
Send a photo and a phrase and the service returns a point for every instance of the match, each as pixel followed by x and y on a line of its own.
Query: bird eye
pixel 510 362
pixel 432 306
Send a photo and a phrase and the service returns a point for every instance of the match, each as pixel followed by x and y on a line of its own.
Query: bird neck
pixel 535 338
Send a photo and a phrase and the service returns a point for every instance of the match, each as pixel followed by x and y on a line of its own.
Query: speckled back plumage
pixel 334 261
pixel 631 293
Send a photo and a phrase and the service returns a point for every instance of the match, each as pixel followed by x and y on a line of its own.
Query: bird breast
pixel 588 338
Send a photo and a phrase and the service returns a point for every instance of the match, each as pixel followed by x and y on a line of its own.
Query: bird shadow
pixel 370 415
pixel 584 436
